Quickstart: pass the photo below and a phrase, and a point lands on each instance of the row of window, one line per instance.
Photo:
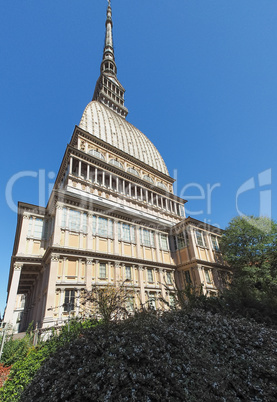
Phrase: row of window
(182, 240)
(104, 227)
(70, 298)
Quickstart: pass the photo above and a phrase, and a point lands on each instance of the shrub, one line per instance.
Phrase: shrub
(176, 356)
(24, 369)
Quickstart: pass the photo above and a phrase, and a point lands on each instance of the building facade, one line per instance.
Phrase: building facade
(112, 216)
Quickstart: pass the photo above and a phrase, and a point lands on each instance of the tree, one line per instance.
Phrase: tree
(249, 247)
(109, 302)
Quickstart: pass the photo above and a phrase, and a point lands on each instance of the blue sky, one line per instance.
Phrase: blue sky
(201, 83)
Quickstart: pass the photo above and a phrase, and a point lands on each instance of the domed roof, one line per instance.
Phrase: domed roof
(110, 127)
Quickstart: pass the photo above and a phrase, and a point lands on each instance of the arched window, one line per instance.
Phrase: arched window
(96, 153)
(148, 178)
(116, 163)
(161, 185)
(133, 171)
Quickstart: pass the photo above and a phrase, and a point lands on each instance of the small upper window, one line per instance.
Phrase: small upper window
(133, 171)
(214, 243)
(96, 153)
(161, 185)
(116, 163)
(148, 178)
(200, 238)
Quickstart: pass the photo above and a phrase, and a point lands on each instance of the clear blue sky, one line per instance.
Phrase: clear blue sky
(200, 79)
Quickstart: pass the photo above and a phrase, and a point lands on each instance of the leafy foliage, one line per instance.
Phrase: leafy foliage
(24, 369)
(249, 245)
(175, 356)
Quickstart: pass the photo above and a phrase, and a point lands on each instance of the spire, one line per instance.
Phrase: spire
(108, 89)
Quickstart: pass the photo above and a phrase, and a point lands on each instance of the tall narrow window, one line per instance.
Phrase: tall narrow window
(163, 242)
(69, 300)
(102, 227)
(128, 272)
(168, 278)
(74, 220)
(38, 228)
(152, 301)
(85, 223)
(150, 275)
(200, 238)
(187, 277)
(147, 237)
(102, 271)
(208, 276)
(214, 243)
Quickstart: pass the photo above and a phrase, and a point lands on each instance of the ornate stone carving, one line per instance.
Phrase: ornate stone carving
(55, 257)
(18, 266)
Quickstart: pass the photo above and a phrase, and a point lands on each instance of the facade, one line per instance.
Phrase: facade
(112, 216)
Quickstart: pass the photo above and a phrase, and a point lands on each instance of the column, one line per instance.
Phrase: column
(116, 245)
(130, 189)
(80, 169)
(8, 318)
(166, 204)
(117, 184)
(136, 192)
(123, 186)
(70, 164)
(152, 198)
(57, 228)
(89, 234)
(88, 171)
(95, 175)
(24, 234)
(103, 178)
(51, 289)
(161, 280)
(141, 284)
(111, 181)
(89, 273)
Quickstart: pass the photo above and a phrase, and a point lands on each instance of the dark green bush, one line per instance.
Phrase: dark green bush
(177, 356)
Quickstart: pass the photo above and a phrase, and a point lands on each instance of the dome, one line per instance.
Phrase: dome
(110, 127)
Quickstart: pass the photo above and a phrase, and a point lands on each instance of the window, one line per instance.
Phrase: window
(152, 301)
(187, 277)
(200, 238)
(150, 275)
(208, 276)
(128, 273)
(130, 304)
(133, 171)
(102, 271)
(35, 227)
(214, 243)
(161, 185)
(116, 163)
(96, 153)
(168, 278)
(74, 220)
(147, 237)
(102, 227)
(163, 242)
(85, 223)
(172, 300)
(148, 178)
(180, 241)
(69, 300)
(126, 232)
